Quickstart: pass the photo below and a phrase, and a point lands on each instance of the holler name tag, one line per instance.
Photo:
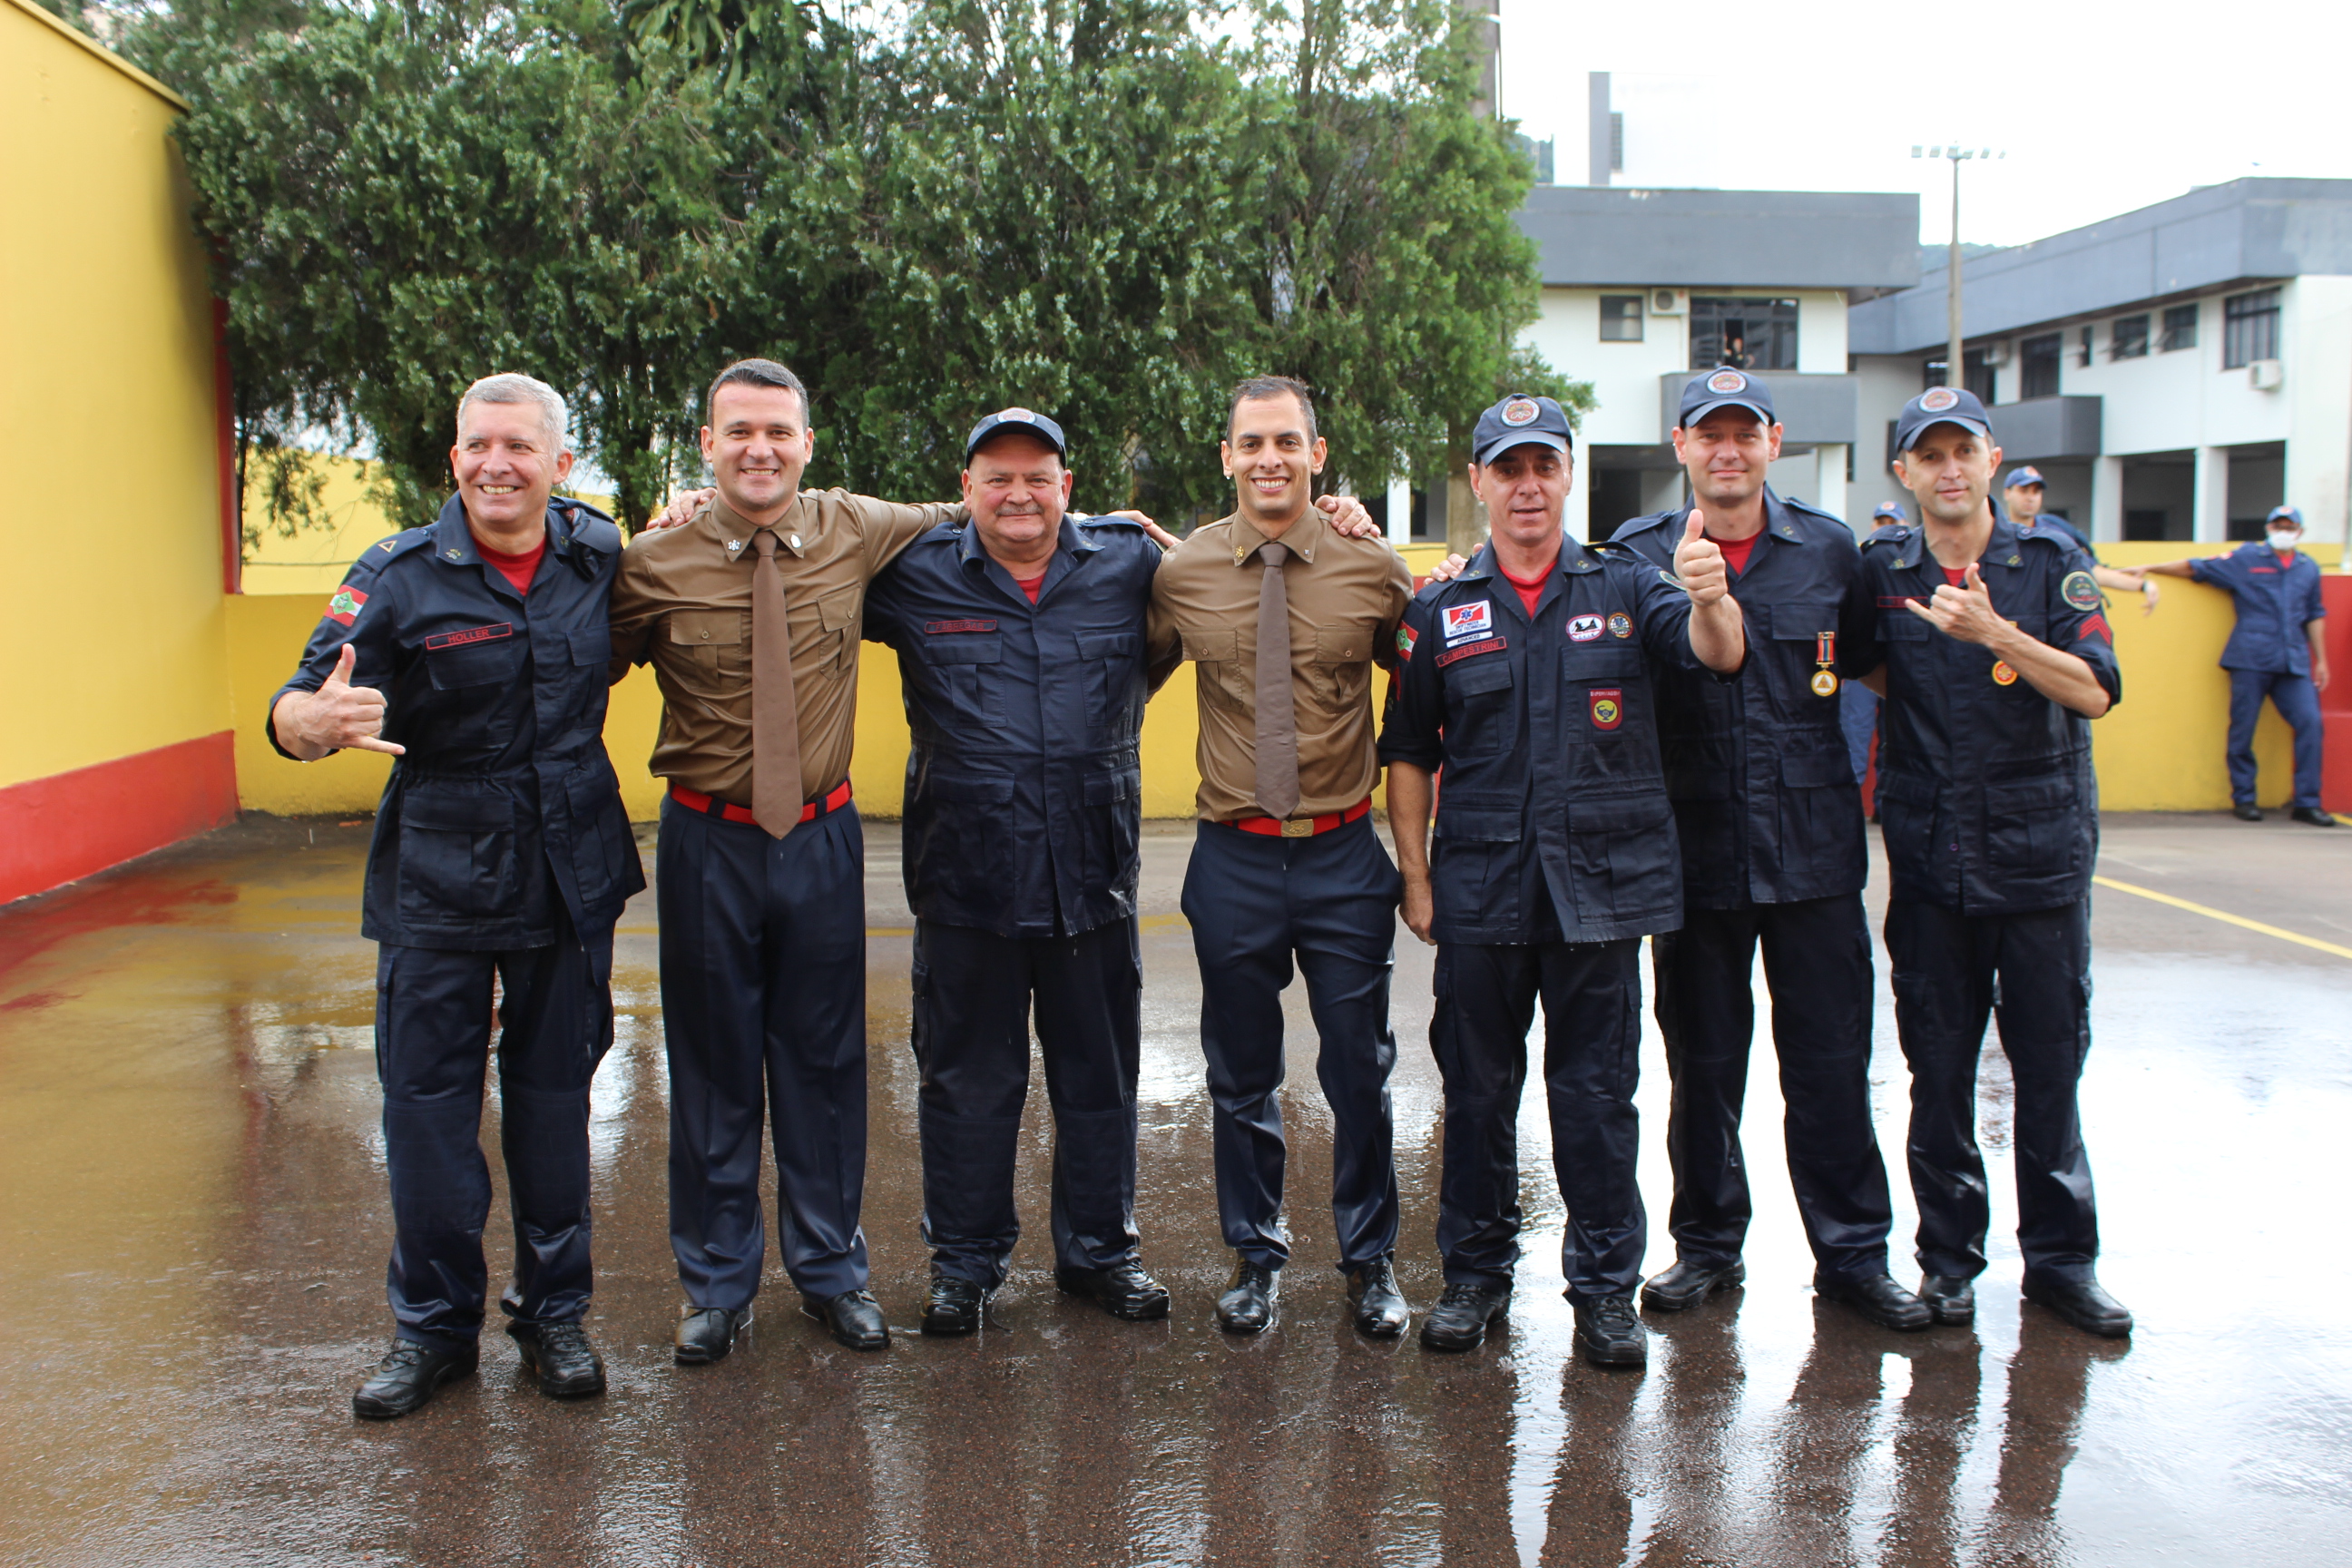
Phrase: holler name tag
(471, 635)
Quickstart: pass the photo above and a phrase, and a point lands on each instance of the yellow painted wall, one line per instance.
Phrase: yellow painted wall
(112, 594)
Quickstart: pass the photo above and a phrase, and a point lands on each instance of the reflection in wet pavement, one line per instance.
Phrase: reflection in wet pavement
(193, 1253)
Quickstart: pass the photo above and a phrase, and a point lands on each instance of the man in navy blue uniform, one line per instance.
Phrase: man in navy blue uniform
(1773, 856)
(1020, 643)
(1997, 655)
(2273, 652)
(474, 651)
(1531, 679)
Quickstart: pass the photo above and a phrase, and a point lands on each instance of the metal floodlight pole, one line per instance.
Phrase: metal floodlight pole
(1955, 367)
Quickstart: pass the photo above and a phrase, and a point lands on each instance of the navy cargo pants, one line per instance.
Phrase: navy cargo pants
(1817, 961)
(2297, 700)
(973, 993)
(1951, 969)
(1254, 902)
(1591, 995)
(433, 1024)
(764, 1002)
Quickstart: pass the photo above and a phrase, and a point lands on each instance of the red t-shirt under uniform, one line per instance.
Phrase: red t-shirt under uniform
(517, 570)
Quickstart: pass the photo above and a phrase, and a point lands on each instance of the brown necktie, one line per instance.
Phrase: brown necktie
(1277, 721)
(775, 717)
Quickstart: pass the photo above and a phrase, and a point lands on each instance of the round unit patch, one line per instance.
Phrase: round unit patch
(1521, 411)
(1017, 415)
(1727, 381)
(1936, 399)
(1621, 624)
(2080, 589)
(2003, 675)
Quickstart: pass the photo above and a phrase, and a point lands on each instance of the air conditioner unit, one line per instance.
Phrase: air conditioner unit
(1997, 353)
(2266, 375)
(1669, 302)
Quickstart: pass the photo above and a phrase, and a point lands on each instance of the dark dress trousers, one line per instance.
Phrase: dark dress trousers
(1553, 855)
(501, 853)
(1773, 856)
(1989, 811)
(1021, 852)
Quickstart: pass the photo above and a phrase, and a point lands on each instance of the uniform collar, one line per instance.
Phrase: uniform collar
(2002, 547)
(453, 536)
(727, 529)
(970, 551)
(1300, 538)
(1779, 521)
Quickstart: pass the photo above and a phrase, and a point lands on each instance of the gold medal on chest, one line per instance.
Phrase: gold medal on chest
(1825, 683)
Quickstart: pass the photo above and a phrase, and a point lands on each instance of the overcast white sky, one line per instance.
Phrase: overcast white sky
(2101, 107)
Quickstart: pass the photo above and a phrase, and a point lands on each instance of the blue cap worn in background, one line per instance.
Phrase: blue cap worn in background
(2292, 513)
(1941, 405)
(2028, 474)
(1890, 509)
(1021, 419)
(1725, 388)
(1519, 420)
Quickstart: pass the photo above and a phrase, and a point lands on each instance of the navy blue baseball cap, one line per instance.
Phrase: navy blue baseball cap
(2293, 514)
(1026, 421)
(1519, 420)
(1725, 388)
(1941, 405)
(1892, 511)
(2028, 474)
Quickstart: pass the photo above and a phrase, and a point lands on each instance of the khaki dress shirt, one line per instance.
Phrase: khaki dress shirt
(683, 602)
(1346, 596)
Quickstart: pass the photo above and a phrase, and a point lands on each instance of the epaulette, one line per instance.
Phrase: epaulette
(1893, 533)
(1641, 524)
(383, 551)
(2057, 542)
(1107, 520)
(591, 528)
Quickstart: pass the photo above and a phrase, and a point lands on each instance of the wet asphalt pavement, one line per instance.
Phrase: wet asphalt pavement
(192, 1259)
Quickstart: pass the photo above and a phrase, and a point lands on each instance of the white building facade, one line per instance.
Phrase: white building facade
(2175, 372)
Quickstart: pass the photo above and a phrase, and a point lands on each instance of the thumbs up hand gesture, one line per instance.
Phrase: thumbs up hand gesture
(1965, 612)
(336, 716)
(1699, 564)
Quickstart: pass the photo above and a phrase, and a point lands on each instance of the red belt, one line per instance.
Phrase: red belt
(1302, 826)
(695, 801)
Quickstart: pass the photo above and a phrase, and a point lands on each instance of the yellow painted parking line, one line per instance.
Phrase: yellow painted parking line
(2225, 917)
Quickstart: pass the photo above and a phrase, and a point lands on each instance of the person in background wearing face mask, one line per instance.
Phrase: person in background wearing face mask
(1773, 859)
(1997, 655)
(2275, 651)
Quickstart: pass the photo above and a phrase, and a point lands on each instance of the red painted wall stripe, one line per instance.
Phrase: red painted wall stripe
(57, 829)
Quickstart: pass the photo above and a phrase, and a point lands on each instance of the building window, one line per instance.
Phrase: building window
(1621, 318)
(1976, 369)
(2249, 327)
(2038, 365)
(2179, 328)
(2128, 338)
(2083, 351)
(1750, 335)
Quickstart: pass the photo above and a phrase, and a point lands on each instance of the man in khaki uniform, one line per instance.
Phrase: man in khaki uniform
(761, 878)
(1283, 616)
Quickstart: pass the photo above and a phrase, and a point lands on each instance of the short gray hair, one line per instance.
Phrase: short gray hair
(511, 387)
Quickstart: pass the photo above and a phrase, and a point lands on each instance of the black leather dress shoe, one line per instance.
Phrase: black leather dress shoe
(1126, 1291)
(1380, 1310)
(854, 1316)
(566, 1364)
(1878, 1298)
(1610, 1333)
(1464, 1314)
(1951, 1299)
(954, 1308)
(2313, 816)
(1685, 1285)
(1251, 1302)
(405, 1378)
(705, 1334)
(2247, 813)
(2082, 1303)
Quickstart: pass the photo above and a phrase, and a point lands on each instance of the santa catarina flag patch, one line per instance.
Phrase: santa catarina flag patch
(346, 604)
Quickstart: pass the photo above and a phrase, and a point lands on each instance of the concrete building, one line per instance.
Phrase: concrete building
(1641, 288)
(2175, 372)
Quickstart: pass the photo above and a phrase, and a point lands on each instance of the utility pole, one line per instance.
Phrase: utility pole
(1955, 366)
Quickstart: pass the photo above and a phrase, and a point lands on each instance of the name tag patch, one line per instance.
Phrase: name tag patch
(1583, 628)
(1607, 706)
(944, 629)
(471, 635)
(1468, 620)
(1490, 644)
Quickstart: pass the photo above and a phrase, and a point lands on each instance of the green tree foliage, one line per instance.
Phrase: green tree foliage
(1106, 209)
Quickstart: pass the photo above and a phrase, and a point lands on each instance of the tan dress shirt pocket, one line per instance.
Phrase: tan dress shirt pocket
(838, 614)
(722, 639)
(1218, 652)
(1341, 669)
